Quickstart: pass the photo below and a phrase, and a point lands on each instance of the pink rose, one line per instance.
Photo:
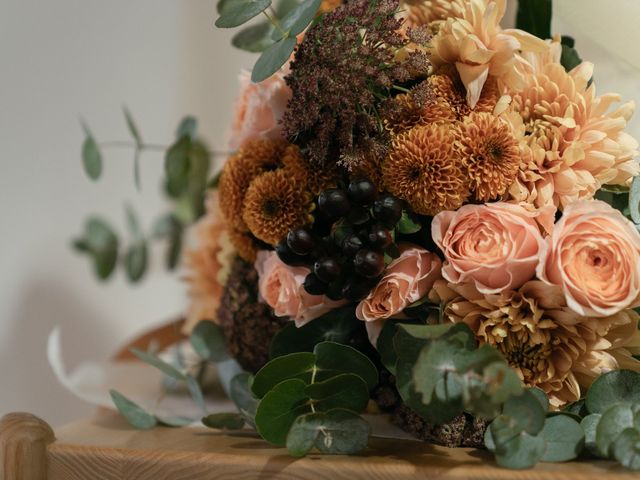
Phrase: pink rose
(496, 246)
(594, 255)
(259, 109)
(280, 286)
(407, 279)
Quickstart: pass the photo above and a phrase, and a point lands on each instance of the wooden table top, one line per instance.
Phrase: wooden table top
(106, 448)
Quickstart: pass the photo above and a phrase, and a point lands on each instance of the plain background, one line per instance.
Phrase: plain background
(61, 59)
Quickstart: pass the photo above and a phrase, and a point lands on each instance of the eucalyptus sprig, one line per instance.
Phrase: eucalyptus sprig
(274, 39)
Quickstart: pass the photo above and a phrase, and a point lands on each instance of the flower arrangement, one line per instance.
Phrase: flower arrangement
(422, 214)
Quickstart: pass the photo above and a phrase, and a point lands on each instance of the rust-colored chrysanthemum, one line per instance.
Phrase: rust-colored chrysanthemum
(316, 178)
(447, 86)
(274, 204)
(245, 244)
(423, 169)
(253, 158)
(490, 154)
(405, 113)
(329, 5)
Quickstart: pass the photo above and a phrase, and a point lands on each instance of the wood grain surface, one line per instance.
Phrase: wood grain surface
(23, 447)
(106, 448)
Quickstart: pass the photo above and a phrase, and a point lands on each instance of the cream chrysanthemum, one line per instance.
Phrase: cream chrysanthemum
(490, 154)
(208, 266)
(419, 13)
(576, 141)
(423, 169)
(549, 345)
(475, 43)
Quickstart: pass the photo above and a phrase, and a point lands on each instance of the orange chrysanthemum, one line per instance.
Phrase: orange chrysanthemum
(405, 113)
(329, 5)
(490, 154)
(253, 158)
(423, 169)
(447, 85)
(317, 179)
(274, 204)
(245, 244)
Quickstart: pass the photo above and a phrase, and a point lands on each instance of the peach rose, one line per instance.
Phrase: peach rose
(280, 286)
(407, 279)
(259, 109)
(496, 246)
(594, 255)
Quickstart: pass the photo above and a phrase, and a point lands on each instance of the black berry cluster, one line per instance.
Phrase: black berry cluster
(346, 246)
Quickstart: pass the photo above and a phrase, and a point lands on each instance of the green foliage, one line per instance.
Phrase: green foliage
(618, 386)
(534, 16)
(160, 364)
(335, 326)
(564, 438)
(91, 155)
(408, 225)
(174, 421)
(235, 13)
(242, 397)
(272, 59)
(136, 254)
(337, 431)
(254, 39)
(133, 413)
(569, 57)
(101, 244)
(224, 421)
(313, 391)
(626, 449)
(135, 133)
(295, 21)
(207, 340)
(634, 201)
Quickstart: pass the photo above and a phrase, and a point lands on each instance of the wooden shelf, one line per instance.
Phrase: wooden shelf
(105, 448)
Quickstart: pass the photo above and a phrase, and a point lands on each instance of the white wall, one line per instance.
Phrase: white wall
(164, 59)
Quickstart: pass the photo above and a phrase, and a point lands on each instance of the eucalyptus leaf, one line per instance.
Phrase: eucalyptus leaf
(133, 129)
(91, 158)
(526, 412)
(578, 408)
(279, 409)
(626, 449)
(177, 166)
(434, 363)
(521, 452)
(634, 200)
(133, 413)
(541, 397)
(589, 425)
(338, 431)
(239, 12)
(334, 358)
(158, 363)
(613, 422)
(294, 365)
(569, 58)
(224, 421)
(298, 19)
(207, 340)
(136, 261)
(101, 243)
(564, 439)
(342, 391)
(240, 394)
(272, 59)
(384, 345)
(255, 39)
(187, 128)
(611, 388)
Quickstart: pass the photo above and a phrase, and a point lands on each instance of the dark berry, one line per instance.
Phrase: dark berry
(379, 237)
(322, 224)
(388, 209)
(368, 263)
(356, 289)
(362, 191)
(314, 286)
(300, 241)
(287, 256)
(358, 215)
(334, 202)
(327, 269)
(351, 244)
(334, 292)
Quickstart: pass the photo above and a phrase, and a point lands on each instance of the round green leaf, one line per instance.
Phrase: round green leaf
(526, 412)
(102, 243)
(224, 421)
(177, 166)
(522, 451)
(298, 19)
(255, 39)
(564, 438)
(634, 200)
(295, 365)
(207, 339)
(240, 12)
(158, 363)
(342, 391)
(589, 425)
(272, 59)
(279, 409)
(626, 449)
(541, 397)
(578, 408)
(334, 358)
(303, 433)
(613, 421)
(133, 413)
(617, 386)
(136, 261)
(434, 363)
(91, 158)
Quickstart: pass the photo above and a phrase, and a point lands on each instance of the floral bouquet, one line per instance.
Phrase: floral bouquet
(423, 214)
